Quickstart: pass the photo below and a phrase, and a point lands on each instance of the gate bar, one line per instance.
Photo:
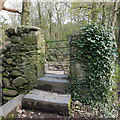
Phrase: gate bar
(57, 41)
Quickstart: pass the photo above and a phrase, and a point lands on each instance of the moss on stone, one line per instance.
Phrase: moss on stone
(6, 82)
(9, 69)
(15, 39)
(6, 74)
(19, 81)
(15, 73)
(24, 57)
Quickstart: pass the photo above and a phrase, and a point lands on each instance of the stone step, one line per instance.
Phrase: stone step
(55, 72)
(57, 76)
(53, 84)
(47, 101)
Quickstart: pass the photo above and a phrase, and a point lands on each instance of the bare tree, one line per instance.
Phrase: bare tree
(39, 13)
(25, 18)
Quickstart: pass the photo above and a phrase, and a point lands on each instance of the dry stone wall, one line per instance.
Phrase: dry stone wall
(22, 60)
(76, 66)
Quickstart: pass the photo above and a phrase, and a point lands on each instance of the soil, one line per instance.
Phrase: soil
(23, 113)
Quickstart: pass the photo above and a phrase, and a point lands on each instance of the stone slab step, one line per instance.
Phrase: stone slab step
(57, 76)
(55, 72)
(47, 101)
(53, 84)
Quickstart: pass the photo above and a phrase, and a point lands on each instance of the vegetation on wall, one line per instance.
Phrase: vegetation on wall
(95, 46)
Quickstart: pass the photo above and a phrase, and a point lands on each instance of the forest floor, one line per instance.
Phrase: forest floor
(23, 113)
(78, 112)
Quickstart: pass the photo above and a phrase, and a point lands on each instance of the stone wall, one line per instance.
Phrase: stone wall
(76, 66)
(22, 59)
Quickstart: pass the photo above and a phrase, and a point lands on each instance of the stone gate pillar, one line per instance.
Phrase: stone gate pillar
(23, 59)
(76, 66)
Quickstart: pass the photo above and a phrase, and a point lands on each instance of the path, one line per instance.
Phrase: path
(50, 95)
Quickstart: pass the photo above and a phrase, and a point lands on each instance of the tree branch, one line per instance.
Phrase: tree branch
(2, 7)
(116, 10)
(11, 10)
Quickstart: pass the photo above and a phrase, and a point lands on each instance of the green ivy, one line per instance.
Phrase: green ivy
(94, 45)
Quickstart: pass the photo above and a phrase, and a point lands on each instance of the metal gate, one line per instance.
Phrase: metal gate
(57, 55)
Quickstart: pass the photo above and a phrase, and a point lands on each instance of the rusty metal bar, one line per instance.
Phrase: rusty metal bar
(60, 61)
(57, 41)
(48, 55)
(58, 47)
(58, 65)
(59, 54)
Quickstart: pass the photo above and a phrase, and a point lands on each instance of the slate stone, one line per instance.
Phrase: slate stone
(8, 55)
(15, 73)
(9, 61)
(9, 69)
(3, 68)
(19, 81)
(47, 101)
(57, 76)
(6, 74)
(4, 50)
(58, 85)
(10, 93)
(6, 82)
(15, 39)
(4, 58)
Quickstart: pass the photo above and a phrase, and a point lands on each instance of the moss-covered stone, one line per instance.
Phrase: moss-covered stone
(7, 98)
(30, 73)
(19, 81)
(15, 39)
(21, 54)
(10, 93)
(3, 51)
(9, 61)
(20, 30)
(16, 68)
(28, 39)
(6, 74)
(6, 82)
(9, 69)
(24, 58)
(13, 63)
(8, 55)
(3, 69)
(15, 73)
(3, 58)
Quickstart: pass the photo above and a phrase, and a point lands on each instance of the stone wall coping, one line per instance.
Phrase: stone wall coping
(11, 106)
(18, 30)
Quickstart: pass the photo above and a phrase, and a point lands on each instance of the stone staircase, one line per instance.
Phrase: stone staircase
(50, 95)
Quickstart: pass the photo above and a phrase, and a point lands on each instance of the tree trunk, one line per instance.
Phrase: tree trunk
(103, 14)
(50, 26)
(25, 18)
(114, 16)
(39, 13)
(94, 12)
(59, 24)
(49, 6)
(50, 22)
